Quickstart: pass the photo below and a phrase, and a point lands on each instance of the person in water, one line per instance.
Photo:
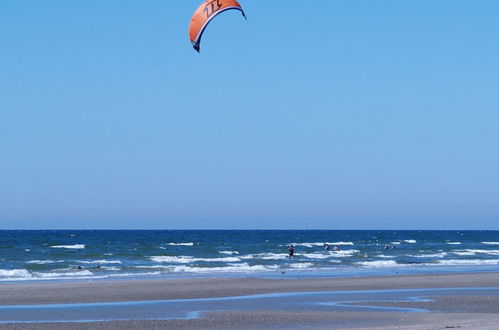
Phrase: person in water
(327, 247)
(336, 248)
(291, 250)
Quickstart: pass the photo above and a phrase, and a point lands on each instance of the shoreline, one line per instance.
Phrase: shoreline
(211, 287)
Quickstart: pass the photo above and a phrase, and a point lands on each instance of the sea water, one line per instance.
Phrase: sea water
(106, 254)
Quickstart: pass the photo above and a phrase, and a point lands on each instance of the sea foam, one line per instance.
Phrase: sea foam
(75, 246)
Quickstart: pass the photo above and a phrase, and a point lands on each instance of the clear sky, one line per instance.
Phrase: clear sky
(310, 114)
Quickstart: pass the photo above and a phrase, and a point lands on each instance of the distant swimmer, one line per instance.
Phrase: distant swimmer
(79, 267)
(291, 250)
(327, 246)
(336, 248)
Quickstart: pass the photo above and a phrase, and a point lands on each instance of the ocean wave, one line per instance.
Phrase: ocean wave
(14, 273)
(316, 255)
(301, 265)
(378, 263)
(189, 259)
(241, 268)
(99, 261)
(454, 243)
(344, 253)
(472, 252)
(75, 246)
(410, 241)
(491, 243)
(57, 275)
(181, 244)
(228, 252)
(111, 269)
(321, 244)
(44, 262)
(471, 262)
(265, 256)
(431, 255)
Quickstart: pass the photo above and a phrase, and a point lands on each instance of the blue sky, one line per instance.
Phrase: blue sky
(328, 114)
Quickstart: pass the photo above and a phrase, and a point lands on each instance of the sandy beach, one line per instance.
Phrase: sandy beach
(458, 308)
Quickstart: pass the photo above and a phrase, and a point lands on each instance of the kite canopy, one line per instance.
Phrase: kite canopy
(205, 13)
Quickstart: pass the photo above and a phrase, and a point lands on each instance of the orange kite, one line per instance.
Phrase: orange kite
(205, 13)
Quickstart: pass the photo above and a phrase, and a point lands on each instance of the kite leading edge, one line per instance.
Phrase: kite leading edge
(205, 13)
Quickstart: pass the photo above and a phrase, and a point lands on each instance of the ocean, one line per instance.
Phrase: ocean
(55, 255)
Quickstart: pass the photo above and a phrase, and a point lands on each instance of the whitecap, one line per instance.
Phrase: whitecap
(43, 262)
(301, 265)
(321, 244)
(431, 255)
(172, 259)
(55, 275)
(343, 253)
(265, 256)
(472, 252)
(228, 252)
(474, 262)
(14, 273)
(410, 241)
(491, 243)
(316, 255)
(75, 246)
(378, 263)
(181, 244)
(241, 268)
(189, 259)
(454, 243)
(99, 261)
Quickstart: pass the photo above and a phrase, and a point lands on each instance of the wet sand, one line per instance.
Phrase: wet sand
(455, 311)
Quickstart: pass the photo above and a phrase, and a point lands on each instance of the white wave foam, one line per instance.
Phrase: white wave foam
(472, 252)
(181, 244)
(454, 243)
(174, 259)
(395, 243)
(108, 268)
(14, 273)
(410, 241)
(56, 275)
(321, 244)
(44, 262)
(463, 253)
(75, 246)
(241, 268)
(474, 262)
(189, 259)
(491, 243)
(99, 261)
(265, 256)
(344, 253)
(434, 255)
(385, 257)
(228, 252)
(316, 255)
(378, 263)
(301, 265)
